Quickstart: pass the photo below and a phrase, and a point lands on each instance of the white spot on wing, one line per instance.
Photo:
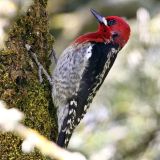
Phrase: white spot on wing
(69, 121)
(73, 102)
(68, 131)
(85, 107)
(78, 119)
(66, 140)
(74, 112)
(89, 52)
(64, 130)
(71, 111)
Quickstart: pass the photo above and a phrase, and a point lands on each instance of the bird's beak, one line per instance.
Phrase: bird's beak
(100, 18)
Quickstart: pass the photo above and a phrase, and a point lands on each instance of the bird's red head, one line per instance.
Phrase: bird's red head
(111, 28)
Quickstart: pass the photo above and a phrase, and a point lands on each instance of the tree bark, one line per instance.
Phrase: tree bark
(19, 84)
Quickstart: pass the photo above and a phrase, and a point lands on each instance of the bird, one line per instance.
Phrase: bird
(81, 69)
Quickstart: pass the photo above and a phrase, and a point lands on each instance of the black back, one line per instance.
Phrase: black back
(91, 77)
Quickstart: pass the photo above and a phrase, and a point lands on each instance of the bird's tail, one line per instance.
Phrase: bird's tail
(68, 125)
(61, 140)
(64, 135)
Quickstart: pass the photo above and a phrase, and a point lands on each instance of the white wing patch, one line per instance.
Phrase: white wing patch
(89, 52)
(73, 102)
(71, 111)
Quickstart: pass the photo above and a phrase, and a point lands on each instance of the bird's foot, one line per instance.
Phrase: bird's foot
(41, 69)
(52, 55)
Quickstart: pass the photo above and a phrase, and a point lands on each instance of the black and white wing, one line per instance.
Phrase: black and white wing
(100, 61)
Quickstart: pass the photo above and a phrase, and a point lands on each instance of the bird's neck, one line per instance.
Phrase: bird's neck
(98, 36)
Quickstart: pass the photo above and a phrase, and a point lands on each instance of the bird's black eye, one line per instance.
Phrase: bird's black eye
(111, 22)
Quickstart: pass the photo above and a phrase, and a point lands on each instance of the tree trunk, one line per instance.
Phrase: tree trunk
(19, 84)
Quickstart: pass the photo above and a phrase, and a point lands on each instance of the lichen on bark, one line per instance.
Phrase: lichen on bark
(19, 84)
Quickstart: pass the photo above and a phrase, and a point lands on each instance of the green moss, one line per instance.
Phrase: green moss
(19, 85)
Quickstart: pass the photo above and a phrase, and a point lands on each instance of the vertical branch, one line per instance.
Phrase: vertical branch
(19, 84)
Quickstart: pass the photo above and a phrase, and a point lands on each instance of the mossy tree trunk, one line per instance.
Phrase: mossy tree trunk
(19, 84)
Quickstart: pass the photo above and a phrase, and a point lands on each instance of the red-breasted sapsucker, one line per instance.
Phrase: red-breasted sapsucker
(81, 70)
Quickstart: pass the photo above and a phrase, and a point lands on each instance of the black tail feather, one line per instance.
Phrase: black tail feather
(61, 139)
(68, 125)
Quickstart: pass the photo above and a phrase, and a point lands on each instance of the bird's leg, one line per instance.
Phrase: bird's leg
(52, 55)
(41, 69)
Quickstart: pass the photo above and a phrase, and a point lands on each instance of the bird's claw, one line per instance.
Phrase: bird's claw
(41, 69)
(52, 55)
